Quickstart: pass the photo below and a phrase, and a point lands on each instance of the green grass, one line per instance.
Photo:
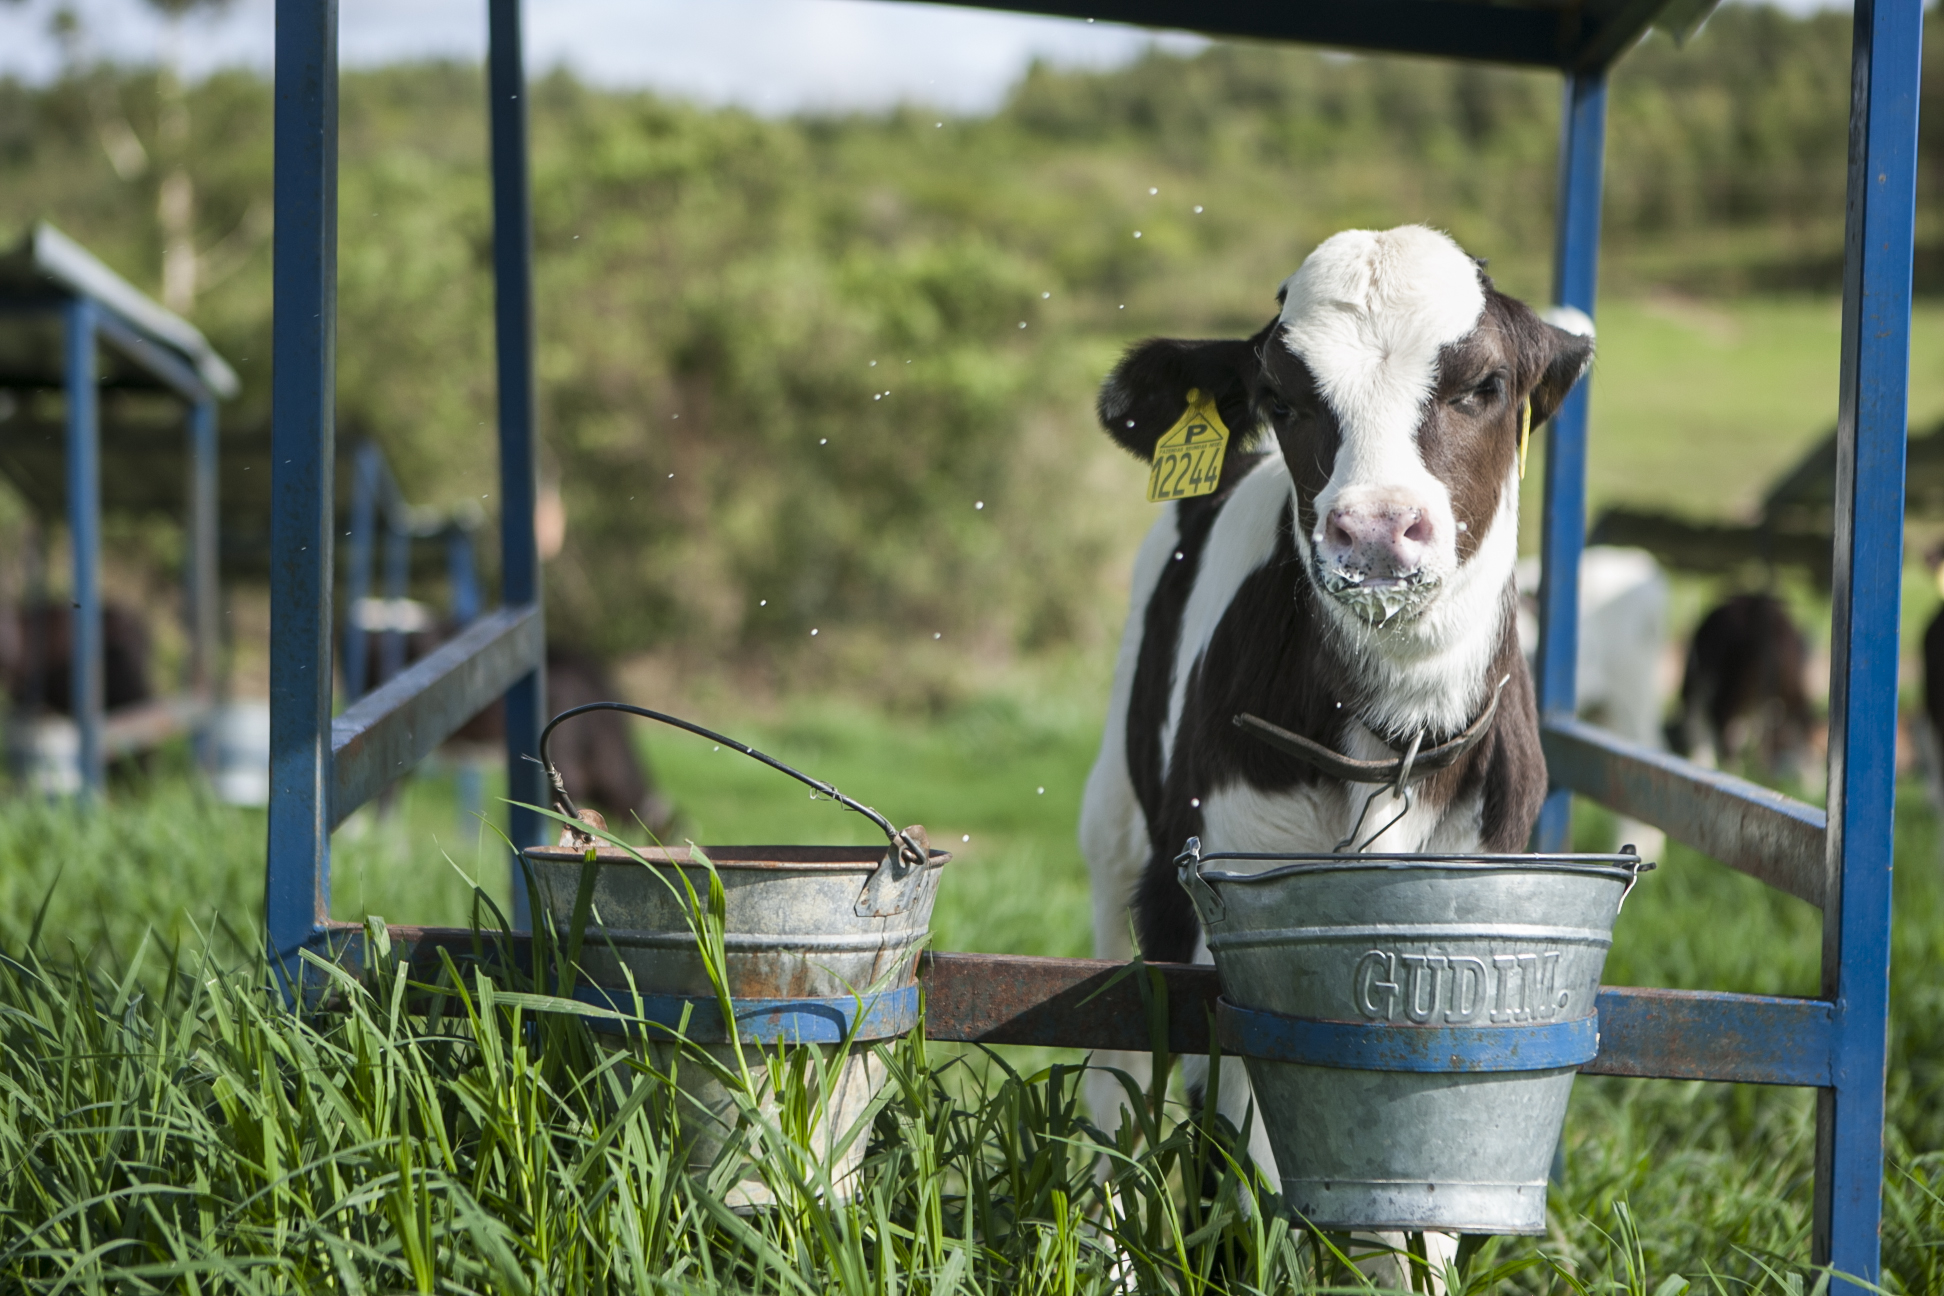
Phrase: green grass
(309, 1145)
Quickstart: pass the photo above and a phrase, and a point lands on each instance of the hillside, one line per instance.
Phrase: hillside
(783, 363)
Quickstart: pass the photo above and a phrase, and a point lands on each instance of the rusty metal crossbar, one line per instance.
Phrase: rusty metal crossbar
(393, 727)
(1093, 1005)
(1762, 833)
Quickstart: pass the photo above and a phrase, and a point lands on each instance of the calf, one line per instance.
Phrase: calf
(1743, 687)
(1350, 580)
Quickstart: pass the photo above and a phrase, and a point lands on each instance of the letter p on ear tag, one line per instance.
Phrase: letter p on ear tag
(1188, 460)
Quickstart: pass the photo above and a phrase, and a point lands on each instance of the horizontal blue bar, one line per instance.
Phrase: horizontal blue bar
(1382, 1046)
(883, 1015)
(1707, 1035)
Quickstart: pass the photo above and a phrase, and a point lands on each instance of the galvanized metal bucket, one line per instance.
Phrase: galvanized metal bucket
(820, 948)
(1411, 1024)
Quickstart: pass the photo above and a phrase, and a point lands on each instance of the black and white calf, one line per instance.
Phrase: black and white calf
(1350, 580)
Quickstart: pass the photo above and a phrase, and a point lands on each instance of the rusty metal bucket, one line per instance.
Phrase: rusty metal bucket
(1411, 1024)
(819, 951)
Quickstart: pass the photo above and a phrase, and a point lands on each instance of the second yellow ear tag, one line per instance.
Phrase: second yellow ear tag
(1188, 460)
(1525, 435)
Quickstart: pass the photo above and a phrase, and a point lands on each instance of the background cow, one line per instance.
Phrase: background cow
(1743, 688)
(1622, 634)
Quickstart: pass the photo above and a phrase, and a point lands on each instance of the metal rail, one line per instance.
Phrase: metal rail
(1094, 1005)
(396, 725)
(1771, 837)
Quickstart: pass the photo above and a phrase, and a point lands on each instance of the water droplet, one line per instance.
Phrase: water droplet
(1042, 791)
(1177, 555)
(1152, 191)
(823, 440)
(1123, 305)
(813, 633)
(880, 395)
(762, 602)
(1195, 802)
(966, 838)
(941, 125)
(1022, 323)
(873, 364)
(671, 476)
(1045, 295)
(1197, 209)
(979, 505)
(1130, 422)
(717, 747)
(1464, 526)
(1339, 706)
(1137, 233)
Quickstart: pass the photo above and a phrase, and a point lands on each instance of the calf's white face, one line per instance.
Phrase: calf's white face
(1368, 316)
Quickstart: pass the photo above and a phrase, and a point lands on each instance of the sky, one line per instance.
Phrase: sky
(773, 56)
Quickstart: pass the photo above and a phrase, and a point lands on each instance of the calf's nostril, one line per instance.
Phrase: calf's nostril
(1336, 534)
(1419, 532)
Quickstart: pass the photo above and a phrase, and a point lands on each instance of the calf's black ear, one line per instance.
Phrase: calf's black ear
(1564, 355)
(1148, 390)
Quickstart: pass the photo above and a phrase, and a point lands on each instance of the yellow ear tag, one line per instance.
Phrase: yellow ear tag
(1188, 460)
(1525, 435)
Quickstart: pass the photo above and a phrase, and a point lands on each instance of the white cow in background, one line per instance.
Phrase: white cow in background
(1622, 638)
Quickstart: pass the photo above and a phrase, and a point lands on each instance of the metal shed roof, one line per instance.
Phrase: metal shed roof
(148, 346)
(1567, 35)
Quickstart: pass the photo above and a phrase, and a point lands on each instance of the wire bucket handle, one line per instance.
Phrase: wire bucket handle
(912, 853)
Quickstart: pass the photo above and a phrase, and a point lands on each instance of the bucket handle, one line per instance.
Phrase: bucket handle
(1188, 866)
(912, 853)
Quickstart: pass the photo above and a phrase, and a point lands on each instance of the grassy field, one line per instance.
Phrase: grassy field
(1664, 1178)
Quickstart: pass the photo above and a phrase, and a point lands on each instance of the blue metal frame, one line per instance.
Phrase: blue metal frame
(85, 324)
(303, 413)
(84, 533)
(526, 701)
(1855, 891)
(1836, 1043)
(321, 769)
(1871, 431)
(1576, 266)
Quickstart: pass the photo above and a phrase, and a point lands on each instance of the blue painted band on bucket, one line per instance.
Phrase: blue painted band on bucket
(1382, 1046)
(872, 1016)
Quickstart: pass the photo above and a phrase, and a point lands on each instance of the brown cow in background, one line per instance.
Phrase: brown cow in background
(1743, 688)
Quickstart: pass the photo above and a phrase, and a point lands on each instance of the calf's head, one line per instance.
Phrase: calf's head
(1396, 380)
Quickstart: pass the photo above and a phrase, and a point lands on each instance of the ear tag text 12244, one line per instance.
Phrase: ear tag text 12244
(1188, 460)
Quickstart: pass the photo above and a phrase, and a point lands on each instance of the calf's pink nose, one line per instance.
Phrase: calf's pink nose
(1377, 539)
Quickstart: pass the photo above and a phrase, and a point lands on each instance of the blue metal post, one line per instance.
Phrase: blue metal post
(513, 321)
(463, 575)
(205, 615)
(303, 411)
(84, 535)
(1576, 270)
(398, 579)
(1886, 55)
(366, 469)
